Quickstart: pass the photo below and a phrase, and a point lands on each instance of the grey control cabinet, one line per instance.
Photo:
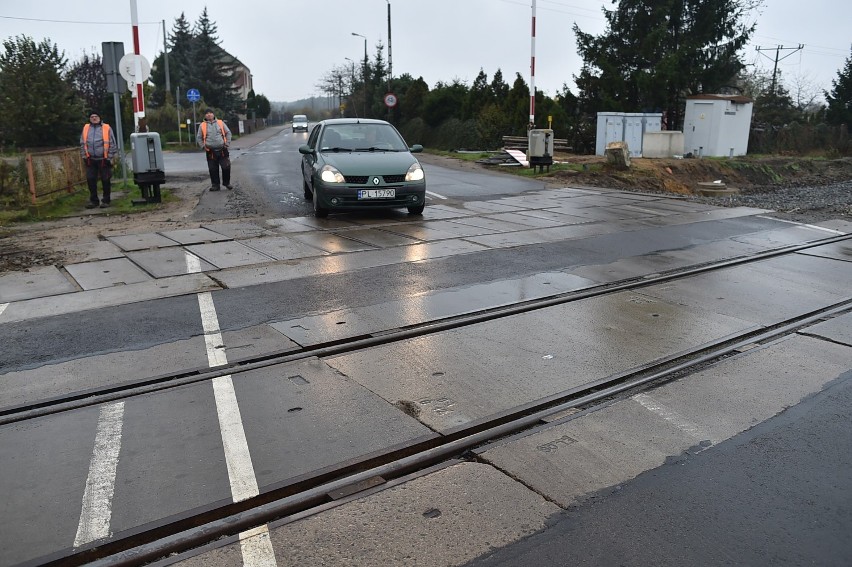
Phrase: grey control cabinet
(146, 157)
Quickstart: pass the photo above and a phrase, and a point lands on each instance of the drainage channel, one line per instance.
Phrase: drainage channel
(193, 530)
(97, 396)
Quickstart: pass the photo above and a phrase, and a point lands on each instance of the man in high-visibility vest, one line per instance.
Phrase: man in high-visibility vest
(215, 137)
(97, 148)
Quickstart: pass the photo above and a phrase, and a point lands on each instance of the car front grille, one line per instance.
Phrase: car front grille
(364, 179)
(356, 179)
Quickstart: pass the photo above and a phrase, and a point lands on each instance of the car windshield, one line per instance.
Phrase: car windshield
(362, 138)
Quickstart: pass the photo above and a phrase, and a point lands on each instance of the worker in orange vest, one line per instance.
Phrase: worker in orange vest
(215, 137)
(97, 148)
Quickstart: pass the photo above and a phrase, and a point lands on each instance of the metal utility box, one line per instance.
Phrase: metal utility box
(627, 127)
(717, 125)
(146, 157)
(540, 148)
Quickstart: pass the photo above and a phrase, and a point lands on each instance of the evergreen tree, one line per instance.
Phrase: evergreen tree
(214, 72)
(840, 98)
(38, 107)
(180, 65)
(654, 54)
(499, 87)
(479, 96)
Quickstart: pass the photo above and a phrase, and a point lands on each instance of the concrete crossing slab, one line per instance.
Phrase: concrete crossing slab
(228, 254)
(421, 519)
(490, 207)
(133, 242)
(784, 286)
(299, 406)
(106, 273)
(35, 282)
(194, 236)
(331, 242)
(289, 225)
(106, 297)
(377, 238)
(165, 262)
(346, 323)
(559, 348)
(237, 230)
(283, 247)
(838, 251)
(248, 276)
(838, 329)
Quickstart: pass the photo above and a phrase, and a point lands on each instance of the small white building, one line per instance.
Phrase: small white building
(717, 125)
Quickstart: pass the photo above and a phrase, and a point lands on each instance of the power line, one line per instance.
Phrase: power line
(72, 21)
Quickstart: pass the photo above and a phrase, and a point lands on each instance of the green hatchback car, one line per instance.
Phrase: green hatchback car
(353, 163)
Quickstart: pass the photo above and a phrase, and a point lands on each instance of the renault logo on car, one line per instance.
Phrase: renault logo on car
(375, 181)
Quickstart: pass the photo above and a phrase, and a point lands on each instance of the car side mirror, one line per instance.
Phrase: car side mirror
(307, 150)
(416, 149)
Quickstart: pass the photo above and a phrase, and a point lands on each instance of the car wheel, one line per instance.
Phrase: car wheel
(307, 189)
(319, 211)
(418, 210)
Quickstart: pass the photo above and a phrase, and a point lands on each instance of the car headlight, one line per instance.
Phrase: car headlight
(330, 174)
(415, 173)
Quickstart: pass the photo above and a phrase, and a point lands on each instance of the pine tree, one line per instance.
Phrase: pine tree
(840, 98)
(215, 71)
(38, 107)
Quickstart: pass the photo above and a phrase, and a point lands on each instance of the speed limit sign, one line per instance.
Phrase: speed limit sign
(390, 100)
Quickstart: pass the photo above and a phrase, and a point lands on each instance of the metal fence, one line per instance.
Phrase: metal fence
(39, 177)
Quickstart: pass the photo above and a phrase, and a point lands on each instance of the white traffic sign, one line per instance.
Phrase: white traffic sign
(128, 69)
(390, 100)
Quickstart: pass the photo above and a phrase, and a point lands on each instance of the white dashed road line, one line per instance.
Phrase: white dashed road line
(193, 263)
(255, 544)
(669, 415)
(96, 512)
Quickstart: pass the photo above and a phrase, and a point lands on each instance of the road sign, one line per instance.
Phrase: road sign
(127, 69)
(192, 95)
(390, 100)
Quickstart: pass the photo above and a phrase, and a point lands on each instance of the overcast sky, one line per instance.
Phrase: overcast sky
(289, 45)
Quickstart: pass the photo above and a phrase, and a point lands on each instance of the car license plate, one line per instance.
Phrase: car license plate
(376, 193)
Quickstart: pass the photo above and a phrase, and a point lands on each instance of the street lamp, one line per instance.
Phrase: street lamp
(364, 75)
(390, 57)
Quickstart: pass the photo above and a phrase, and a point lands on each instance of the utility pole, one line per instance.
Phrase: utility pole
(166, 57)
(778, 49)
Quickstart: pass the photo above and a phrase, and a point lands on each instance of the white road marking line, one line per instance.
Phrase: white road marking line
(255, 544)
(435, 195)
(3, 307)
(96, 513)
(237, 456)
(193, 263)
(813, 226)
(669, 415)
(212, 336)
(256, 547)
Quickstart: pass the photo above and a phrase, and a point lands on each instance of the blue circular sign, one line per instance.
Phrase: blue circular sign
(193, 95)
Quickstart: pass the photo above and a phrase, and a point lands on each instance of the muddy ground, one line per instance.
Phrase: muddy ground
(58, 242)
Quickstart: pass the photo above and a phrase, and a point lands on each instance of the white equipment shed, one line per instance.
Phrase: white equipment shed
(717, 125)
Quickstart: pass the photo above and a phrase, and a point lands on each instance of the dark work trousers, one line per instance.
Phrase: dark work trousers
(215, 160)
(99, 168)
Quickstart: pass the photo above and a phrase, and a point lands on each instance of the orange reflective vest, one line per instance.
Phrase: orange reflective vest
(204, 131)
(104, 132)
